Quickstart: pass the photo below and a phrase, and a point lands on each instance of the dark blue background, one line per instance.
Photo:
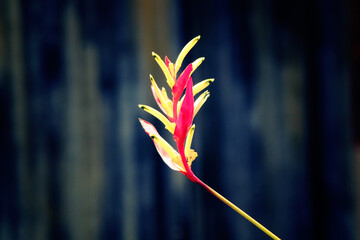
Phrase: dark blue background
(279, 135)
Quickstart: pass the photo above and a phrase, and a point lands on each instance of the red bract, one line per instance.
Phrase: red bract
(183, 125)
(179, 87)
(186, 114)
(167, 61)
(170, 67)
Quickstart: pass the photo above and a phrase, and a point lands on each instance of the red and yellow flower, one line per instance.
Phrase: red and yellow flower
(178, 112)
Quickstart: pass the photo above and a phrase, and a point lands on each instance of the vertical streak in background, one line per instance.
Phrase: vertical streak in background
(19, 113)
(231, 152)
(71, 161)
(146, 40)
(93, 143)
(154, 22)
(82, 162)
(130, 202)
(267, 118)
(125, 71)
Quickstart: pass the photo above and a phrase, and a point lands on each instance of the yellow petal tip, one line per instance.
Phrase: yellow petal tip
(154, 55)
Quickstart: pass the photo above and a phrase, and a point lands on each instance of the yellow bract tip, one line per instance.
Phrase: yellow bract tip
(184, 52)
(202, 85)
(165, 70)
(196, 63)
(200, 101)
(188, 140)
(168, 125)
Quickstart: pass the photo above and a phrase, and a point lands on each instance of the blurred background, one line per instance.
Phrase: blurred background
(279, 136)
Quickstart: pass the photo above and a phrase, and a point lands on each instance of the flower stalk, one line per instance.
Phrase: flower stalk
(238, 210)
(179, 112)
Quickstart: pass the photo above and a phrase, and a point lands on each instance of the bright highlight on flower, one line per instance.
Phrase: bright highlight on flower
(178, 115)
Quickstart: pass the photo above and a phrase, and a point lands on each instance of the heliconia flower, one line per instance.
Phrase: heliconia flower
(180, 111)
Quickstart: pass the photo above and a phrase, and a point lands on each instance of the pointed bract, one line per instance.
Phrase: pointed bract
(165, 69)
(196, 63)
(188, 140)
(196, 89)
(184, 52)
(168, 125)
(200, 101)
(159, 98)
(202, 85)
(180, 84)
(170, 67)
(168, 154)
(186, 114)
(179, 87)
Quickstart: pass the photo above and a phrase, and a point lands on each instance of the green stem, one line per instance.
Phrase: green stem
(238, 210)
(193, 178)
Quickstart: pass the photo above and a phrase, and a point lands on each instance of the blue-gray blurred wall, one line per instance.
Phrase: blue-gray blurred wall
(279, 135)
